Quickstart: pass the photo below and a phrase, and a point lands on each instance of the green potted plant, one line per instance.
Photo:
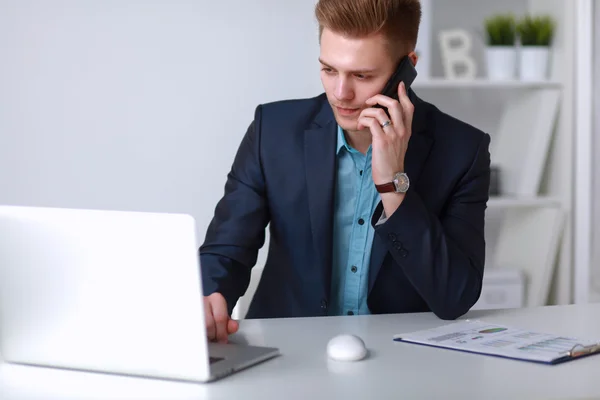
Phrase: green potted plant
(500, 51)
(536, 34)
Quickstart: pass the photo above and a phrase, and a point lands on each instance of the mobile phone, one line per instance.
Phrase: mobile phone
(405, 72)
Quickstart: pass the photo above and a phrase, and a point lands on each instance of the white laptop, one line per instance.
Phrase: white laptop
(108, 291)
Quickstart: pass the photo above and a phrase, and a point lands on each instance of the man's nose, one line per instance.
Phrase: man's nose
(344, 90)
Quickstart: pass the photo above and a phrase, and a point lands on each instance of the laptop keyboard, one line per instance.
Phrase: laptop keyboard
(213, 360)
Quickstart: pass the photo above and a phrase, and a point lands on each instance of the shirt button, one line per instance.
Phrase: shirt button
(354, 269)
(350, 313)
(361, 221)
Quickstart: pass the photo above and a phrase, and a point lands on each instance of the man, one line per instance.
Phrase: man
(344, 238)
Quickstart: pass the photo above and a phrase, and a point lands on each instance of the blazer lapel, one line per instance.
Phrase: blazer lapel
(418, 150)
(320, 163)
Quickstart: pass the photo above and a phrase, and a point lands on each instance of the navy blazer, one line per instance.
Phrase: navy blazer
(428, 256)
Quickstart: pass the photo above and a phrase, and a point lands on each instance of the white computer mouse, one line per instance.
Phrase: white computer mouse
(346, 347)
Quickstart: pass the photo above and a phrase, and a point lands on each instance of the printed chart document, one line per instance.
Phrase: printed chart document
(477, 336)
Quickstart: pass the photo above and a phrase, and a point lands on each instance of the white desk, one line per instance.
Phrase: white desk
(394, 370)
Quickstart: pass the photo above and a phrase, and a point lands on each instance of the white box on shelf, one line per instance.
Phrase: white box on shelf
(502, 288)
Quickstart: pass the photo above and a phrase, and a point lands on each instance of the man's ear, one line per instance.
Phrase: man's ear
(414, 58)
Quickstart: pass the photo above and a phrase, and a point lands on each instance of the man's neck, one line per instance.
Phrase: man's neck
(359, 140)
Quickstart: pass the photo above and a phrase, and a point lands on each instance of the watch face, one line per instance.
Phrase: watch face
(402, 183)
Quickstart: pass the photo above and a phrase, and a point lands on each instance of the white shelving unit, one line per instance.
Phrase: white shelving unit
(535, 224)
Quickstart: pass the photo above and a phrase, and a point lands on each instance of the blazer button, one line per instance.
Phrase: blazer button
(392, 237)
(398, 245)
(323, 304)
(403, 253)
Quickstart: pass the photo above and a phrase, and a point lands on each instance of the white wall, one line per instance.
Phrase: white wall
(141, 105)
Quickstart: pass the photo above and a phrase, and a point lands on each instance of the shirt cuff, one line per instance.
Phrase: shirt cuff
(382, 219)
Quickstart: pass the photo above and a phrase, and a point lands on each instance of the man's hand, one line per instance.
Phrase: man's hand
(218, 323)
(390, 140)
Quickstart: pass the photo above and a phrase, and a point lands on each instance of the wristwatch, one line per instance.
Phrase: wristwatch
(399, 184)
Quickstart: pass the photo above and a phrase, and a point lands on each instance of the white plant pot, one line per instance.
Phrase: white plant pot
(501, 62)
(533, 63)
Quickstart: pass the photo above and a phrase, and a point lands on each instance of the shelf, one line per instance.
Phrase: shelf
(523, 202)
(442, 83)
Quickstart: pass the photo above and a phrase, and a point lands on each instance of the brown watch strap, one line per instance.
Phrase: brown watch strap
(386, 187)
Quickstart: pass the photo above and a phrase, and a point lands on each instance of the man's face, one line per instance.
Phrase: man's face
(353, 70)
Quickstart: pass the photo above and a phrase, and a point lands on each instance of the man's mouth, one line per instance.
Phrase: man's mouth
(346, 111)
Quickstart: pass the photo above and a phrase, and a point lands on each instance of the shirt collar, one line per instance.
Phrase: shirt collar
(341, 141)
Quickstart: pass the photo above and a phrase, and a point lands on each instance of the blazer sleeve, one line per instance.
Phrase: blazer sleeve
(444, 257)
(237, 230)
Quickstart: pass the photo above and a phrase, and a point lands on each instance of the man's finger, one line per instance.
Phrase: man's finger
(232, 326)
(408, 107)
(381, 116)
(210, 320)
(382, 100)
(219, 307)
(372, 124)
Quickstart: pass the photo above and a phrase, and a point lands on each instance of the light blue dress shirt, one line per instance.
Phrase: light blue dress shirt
(355, 201)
